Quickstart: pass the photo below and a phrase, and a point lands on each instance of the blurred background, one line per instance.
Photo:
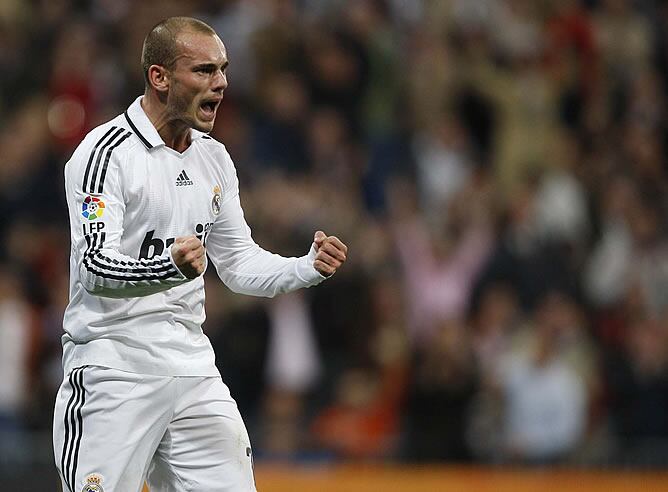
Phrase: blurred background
(497, 167)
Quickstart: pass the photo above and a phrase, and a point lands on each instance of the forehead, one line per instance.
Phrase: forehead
(198, 47)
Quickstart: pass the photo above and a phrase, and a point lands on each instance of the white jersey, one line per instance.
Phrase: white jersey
(129, 197)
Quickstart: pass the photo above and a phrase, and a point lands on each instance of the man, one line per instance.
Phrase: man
(150, 196)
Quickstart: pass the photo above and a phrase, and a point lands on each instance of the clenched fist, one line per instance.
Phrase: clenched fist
(189, 256)
(331, 253)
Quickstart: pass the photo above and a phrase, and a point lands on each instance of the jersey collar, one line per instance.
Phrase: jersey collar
(144, 129)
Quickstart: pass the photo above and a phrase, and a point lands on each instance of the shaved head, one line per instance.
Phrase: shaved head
(160, 46)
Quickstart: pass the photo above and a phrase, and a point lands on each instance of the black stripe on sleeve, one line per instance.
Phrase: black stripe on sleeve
(159, 264)
(134, 128)
(102, 270)
(130, 271)
(91, 240)
(99, 159)
(92, 154)
(140, 263)
(91, 260)
(92, 246)
(106, 162)
(126, 277)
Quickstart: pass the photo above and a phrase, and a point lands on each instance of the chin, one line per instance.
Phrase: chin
(204, 126)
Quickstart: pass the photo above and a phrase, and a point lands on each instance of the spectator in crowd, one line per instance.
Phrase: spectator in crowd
(18, 337)
(637, 380)
(545, 413)
(544, 384)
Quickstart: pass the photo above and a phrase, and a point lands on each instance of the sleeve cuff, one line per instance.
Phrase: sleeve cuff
(306, 271)
(179, 274)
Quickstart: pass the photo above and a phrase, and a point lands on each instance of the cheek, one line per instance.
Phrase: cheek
(183, 98)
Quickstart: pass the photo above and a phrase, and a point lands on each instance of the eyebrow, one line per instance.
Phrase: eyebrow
(210, 66)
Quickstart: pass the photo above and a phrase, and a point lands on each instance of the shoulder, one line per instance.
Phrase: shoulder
(220, 159)
(110, 137)
(103, 146)
(210, 143)
(216, 149)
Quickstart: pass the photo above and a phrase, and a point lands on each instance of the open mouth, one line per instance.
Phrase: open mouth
(209, 108)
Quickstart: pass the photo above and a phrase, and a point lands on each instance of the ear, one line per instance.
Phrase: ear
(158, 77)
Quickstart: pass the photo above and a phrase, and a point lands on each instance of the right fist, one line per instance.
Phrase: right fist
(189, 256)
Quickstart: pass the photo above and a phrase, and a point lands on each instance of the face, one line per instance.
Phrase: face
(197, 80)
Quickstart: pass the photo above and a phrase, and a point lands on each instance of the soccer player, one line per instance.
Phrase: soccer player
(151, 196)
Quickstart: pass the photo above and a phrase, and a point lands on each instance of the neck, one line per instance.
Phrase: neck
(174, 133)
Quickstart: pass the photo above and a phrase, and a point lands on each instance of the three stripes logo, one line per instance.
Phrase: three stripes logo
(73, 428)
(96, 169)
(183, 179)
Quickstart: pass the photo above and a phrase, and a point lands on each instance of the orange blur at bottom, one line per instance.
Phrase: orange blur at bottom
(445, 479)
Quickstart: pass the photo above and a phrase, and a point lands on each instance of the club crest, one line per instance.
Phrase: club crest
(93, 483)
(216, 201)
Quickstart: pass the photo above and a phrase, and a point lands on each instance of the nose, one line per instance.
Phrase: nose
(219, 81)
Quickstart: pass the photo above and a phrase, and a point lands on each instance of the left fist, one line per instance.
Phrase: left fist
(330, 253)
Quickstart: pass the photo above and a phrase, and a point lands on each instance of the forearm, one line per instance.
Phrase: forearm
(245, 267)
(107, 273)
(260, 273)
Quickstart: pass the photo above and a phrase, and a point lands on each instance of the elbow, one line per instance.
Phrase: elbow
(249, 288)
(103, 291)
(98, 290)
(92, 289)
(240, 289)
(89, 284)
(270, 294)
(93, 285)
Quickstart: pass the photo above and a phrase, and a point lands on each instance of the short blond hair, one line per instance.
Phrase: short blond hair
(160, 45)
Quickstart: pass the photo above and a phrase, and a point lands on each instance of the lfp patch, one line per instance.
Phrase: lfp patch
(92, 208)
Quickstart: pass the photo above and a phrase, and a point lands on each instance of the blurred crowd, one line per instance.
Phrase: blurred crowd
(497, 167)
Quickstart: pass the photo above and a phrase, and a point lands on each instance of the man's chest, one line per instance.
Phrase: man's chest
(167, 197)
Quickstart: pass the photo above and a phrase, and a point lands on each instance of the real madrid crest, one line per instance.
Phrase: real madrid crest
(93, 483)
(215, 202)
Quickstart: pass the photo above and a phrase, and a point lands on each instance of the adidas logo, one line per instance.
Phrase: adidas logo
(183, 180)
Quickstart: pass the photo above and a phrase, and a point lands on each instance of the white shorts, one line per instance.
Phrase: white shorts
(112, 430)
